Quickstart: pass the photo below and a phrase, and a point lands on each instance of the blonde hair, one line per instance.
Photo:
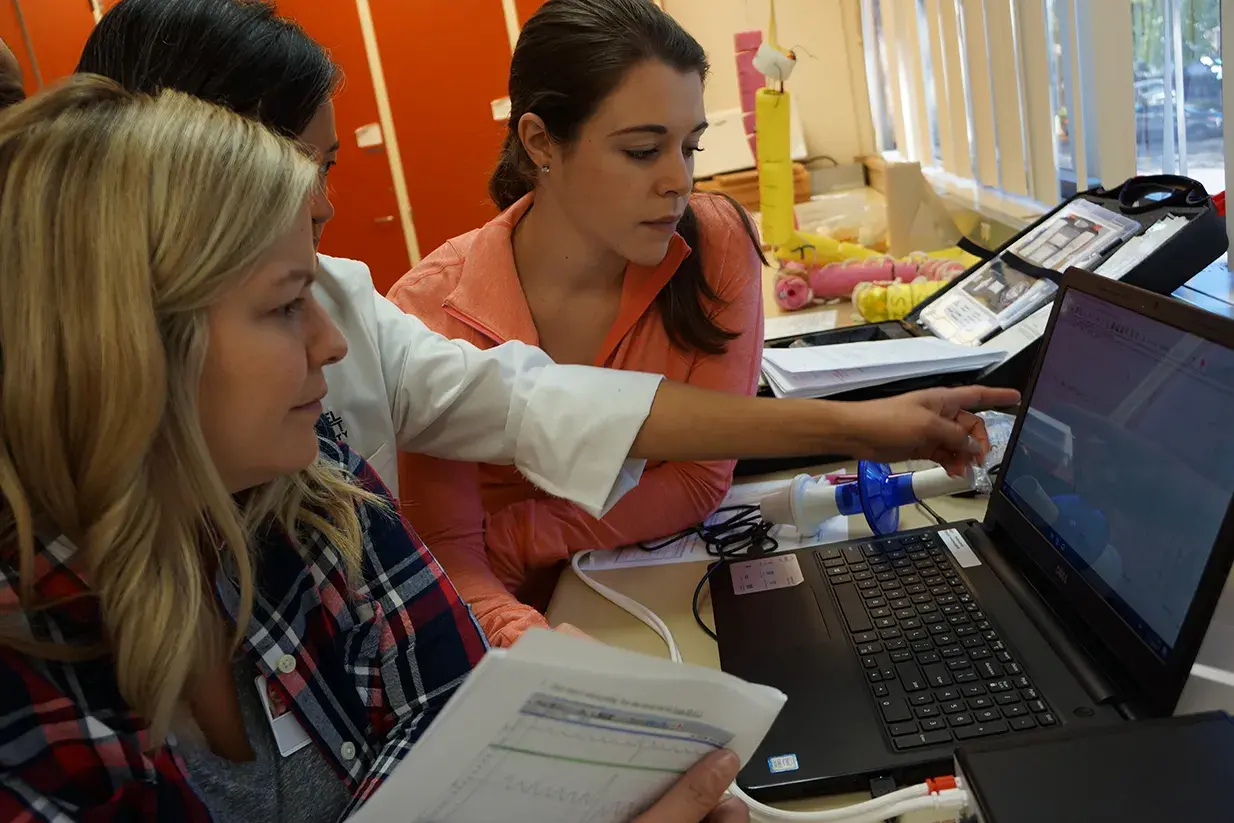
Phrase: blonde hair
(122, 219)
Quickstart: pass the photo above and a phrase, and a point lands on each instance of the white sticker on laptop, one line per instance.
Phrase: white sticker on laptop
(779, 571)
(960, 550)
(783, 763)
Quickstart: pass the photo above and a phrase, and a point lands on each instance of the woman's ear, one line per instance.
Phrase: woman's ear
(536, 140)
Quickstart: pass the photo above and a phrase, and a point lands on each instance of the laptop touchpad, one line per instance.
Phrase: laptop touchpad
(778, 619)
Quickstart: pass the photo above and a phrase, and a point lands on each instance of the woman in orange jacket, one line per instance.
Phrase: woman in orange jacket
(601, 256)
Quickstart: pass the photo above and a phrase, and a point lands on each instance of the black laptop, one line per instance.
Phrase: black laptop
(1082, 598)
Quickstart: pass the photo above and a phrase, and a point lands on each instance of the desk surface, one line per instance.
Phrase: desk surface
(666, 590)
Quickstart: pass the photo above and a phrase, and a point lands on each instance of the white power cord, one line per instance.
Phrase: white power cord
(921, 797)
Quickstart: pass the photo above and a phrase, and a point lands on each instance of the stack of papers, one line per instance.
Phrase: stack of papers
(821, 371)
(567, 730)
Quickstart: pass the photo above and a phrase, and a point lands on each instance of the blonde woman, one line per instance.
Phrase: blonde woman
(207, 612)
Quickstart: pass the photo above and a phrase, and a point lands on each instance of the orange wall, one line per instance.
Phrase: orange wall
(361, 187)
(526, 8)
(58, 29)
(445, 62)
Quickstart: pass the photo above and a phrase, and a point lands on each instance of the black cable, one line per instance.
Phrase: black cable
(742, 533)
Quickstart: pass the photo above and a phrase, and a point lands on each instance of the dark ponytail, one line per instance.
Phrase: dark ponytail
(571, 55)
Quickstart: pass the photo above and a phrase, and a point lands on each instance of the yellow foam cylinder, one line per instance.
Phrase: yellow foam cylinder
(819, 249)
(775, 165)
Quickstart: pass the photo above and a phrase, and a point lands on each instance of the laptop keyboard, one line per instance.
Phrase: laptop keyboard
(937, 668)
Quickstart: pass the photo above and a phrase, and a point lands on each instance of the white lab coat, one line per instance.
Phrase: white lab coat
(402, 387)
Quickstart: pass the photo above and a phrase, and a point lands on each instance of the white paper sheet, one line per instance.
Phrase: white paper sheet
(559, 729)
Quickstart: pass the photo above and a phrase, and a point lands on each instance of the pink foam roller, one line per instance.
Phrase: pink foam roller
(792, 292)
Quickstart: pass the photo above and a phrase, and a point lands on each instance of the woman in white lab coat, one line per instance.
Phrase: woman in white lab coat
(572, 430)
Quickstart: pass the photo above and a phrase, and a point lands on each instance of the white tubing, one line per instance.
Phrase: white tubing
(806, 504)
(937, 483)
(629, 605)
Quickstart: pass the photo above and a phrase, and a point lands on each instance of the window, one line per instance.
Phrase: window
(1035, 99)
(1179, 119)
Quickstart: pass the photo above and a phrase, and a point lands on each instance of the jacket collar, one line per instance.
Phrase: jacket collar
(489, 296)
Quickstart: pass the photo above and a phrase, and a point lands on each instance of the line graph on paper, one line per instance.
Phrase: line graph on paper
(567, 761)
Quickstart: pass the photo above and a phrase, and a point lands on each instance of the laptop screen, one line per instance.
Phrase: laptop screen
(1125, 460)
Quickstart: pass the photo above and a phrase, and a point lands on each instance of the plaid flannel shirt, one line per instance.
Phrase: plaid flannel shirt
(365, 673)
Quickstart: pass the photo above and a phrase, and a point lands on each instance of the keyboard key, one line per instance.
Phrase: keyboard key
(926, 711)
(868, 584)
(869, 648)
(952, 651)
(1036, 706)
(1018, 710)
(910, 623)
(1003, 657)
(966, 631)
(834, 563)
(880, 612)
(946, 695)
(896, 593)
(902, 563)
(981, 702)
(979, 654)
(929, 657)
(873, 676)
(958, 664)
(950, 611)
(870, 594)
(1023, 724)
(896, 554)
(986, 715)
(901, 657)
(888, 673)
(973, 690)
(937, 628)
(884, 577)
(850, 606)
(998, 686)
(945, 639)
(894, 710)
(842, 578)
(922, 646)
(881, 568)
(937, 675)
(981, 730)
(904, 615)
(869, 550)
(866, 636)
(1047, 719)
(932, 724)
(917, 741)
(1013, 668)
(901, 603)
(970, 642)
(956, 720)
(946, 600)
(898, 729)
(957, 620)
(852, 554)
(911, 677)
(896, 645)
(890, 634)
(890, 623)
(1008, 698)
(859, 567)
(921, 699)
(916, 589)
(984, 626)
(989, 668)
(881, 690)
(1021, 682)
(861, 574)
(954, 707)
(869, 662)
(966, 677)
(939, 590)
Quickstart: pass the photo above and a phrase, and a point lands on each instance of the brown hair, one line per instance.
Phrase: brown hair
(571, 55)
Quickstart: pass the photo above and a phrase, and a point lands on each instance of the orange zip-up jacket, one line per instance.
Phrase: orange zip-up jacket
(488, 526)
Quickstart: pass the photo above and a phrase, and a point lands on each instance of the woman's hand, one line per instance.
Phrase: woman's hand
(696, 796)
(932, 424)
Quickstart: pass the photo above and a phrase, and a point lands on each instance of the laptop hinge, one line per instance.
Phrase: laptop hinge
(1099, 688)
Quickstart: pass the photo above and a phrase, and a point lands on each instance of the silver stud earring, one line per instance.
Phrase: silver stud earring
(545, 169)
